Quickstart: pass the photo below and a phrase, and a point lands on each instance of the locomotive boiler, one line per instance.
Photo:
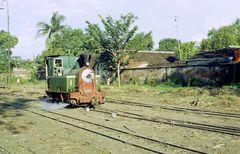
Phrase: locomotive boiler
(69, 79)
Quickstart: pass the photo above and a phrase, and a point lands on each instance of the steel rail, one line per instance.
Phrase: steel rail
(125, 132)
(86, 129)
(174, 122)
(176, 108)
(229, 128)
(1, 147)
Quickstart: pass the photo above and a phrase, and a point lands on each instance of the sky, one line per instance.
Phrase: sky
(194, 18)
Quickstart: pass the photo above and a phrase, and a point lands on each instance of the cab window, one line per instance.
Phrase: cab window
(58, 63)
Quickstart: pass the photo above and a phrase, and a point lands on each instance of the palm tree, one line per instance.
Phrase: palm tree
(54, 27)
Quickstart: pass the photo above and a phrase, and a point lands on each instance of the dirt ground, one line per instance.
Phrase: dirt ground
(24, 132)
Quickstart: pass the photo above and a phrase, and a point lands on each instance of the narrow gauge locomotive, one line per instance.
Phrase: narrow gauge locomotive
(69, 79)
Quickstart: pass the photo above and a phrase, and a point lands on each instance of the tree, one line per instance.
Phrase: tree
(3, 61)
(55, 26)
(205, 45)
(7, 42)
(236, 25)
(187, 50)
(113, 38)
(18, 62)
(142, 42)
(223, 37)
(70, 41)
(168, 44)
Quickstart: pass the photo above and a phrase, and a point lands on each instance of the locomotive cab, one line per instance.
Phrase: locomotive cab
(69, 79)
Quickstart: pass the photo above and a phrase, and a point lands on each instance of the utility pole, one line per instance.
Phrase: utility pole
(176, 26)
(9, 55)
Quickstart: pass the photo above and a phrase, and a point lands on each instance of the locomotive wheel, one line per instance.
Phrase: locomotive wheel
(94, 100)
(73, 102)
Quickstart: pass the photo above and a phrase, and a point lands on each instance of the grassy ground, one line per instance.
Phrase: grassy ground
(224, 98)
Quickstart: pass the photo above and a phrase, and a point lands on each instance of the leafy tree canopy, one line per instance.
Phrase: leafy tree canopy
(223, 37)
(7, 41)
(142, 42)
(54, 27)
(18, 62)
(70, 41)
(168, 44)
(115, 35)
(113, 38)
(187, 50)
(3, 61)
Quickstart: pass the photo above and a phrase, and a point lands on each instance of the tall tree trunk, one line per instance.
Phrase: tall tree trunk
(118, 73)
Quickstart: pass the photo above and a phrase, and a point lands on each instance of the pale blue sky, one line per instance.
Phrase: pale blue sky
(195, 17)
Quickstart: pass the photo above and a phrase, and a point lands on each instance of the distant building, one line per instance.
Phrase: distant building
(144, 59)
(21, 72)
(220, 56)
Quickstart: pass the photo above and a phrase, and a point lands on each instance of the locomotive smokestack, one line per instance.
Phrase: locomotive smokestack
(84, 60)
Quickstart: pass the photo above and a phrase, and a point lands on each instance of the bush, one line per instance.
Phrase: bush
(152, 82)
(22, 80)
(134, 81)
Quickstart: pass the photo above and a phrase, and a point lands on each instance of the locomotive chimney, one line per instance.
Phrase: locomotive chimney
(84, 60)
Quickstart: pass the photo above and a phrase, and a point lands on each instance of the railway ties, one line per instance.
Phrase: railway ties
(176, 108)
(234, 131)
(155, 142)
(230, 130)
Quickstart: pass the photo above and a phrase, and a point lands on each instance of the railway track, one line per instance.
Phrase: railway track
(229, 130)
(155, 141)
(176, 108)
(4, 150)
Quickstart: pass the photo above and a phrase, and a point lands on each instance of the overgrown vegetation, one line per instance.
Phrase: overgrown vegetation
(7, 42)
(169, 44)
(223, 37)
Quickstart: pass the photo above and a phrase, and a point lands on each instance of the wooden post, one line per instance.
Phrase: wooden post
(118, 72)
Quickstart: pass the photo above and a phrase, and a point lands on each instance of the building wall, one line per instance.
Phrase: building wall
(185, 75)
(20, 72)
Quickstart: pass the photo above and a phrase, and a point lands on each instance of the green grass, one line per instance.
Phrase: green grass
(222, 98)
